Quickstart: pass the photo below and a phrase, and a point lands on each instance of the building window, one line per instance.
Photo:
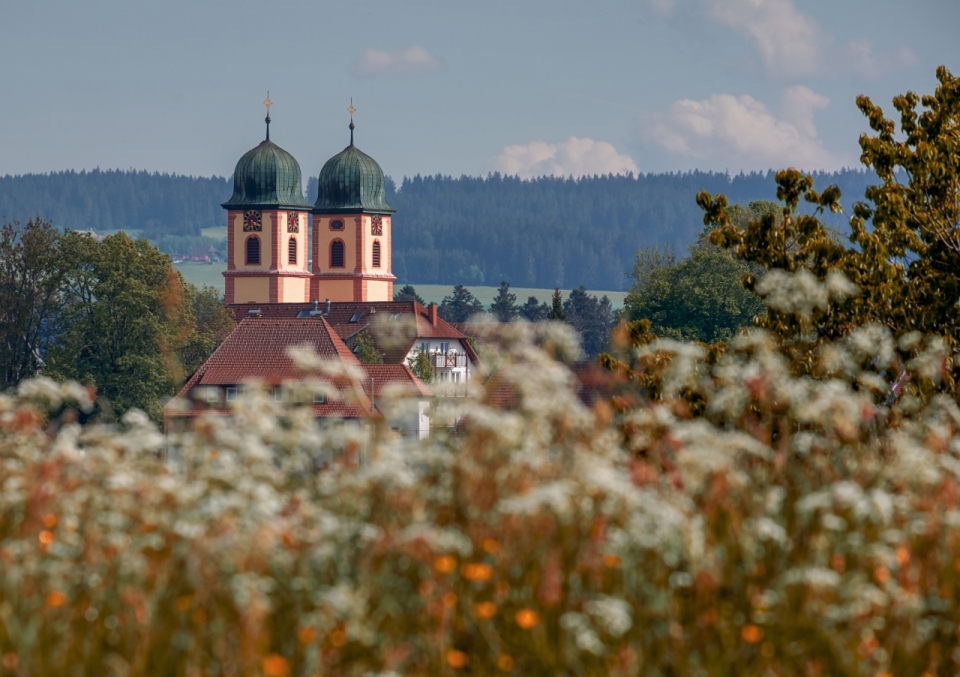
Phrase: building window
(444, 347)
(231, 393)
(319, 398)
(292, 258)
(336, 254)
(278, 394)
(213, 395)
(425, 347)
(253, 251)
(376, 253)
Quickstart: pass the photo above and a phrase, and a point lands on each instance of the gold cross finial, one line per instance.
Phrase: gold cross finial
(351, 109)
(268, 102)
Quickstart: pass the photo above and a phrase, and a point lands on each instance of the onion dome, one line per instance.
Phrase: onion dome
(351, 181)
(267, 177)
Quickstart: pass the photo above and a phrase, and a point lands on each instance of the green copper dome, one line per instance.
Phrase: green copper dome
(351, 181)
(267, 177)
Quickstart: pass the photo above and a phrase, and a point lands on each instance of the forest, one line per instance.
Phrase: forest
(547, 232)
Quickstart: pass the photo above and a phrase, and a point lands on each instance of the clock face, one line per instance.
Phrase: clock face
(293, 222)
(336, 225)
(252, 221)
(376, 225)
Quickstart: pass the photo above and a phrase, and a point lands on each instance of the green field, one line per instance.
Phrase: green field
(210, 274)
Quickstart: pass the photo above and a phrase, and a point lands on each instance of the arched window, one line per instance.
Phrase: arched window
(253, 251)
(336, 254)
(292, 257)
(376, 253)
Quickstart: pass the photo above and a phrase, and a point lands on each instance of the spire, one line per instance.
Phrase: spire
(351, 110)
(268, 103)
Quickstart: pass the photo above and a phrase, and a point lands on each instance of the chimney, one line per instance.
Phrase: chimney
(328, 306)
(432, 310)
(316, 305)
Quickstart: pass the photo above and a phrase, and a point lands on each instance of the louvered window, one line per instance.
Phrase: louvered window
(336, 254)
(376, 253)
(293, 250)
(253, 251)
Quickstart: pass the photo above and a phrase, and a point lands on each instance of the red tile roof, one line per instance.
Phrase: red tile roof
(257, 348)
(395, 347)
(392, 374)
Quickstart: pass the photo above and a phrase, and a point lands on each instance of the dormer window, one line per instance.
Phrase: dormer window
(355, 318)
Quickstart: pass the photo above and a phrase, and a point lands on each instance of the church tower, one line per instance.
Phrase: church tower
(352, 237)
(267, 228)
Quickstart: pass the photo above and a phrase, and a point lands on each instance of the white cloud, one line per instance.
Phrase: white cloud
(575, 157)
(789, 42)
(413, 60)
(743, 133)
(870, 65)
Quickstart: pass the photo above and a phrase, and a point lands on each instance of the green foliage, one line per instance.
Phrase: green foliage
(700, 298)
(534, 310)
(123, 321)
(592, 318)
(32, 268)
(504, 305)
(421, 365)
(213, 324)
(460, 306)
(906, 264)
(408, 293)
(556, 307)
(366, 350)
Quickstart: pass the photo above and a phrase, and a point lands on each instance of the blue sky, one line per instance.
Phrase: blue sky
(459, 87)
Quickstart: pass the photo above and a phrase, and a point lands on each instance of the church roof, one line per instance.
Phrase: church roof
(267, 177)
(351, 181)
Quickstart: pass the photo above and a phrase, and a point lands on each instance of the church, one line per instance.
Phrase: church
(319, 274)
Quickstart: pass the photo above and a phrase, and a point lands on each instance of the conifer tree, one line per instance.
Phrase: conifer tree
(534, 310)
(459, 306)
(408, 293)
(504, 306)
(556, 307)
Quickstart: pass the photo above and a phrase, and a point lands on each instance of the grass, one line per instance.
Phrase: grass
(211, 274)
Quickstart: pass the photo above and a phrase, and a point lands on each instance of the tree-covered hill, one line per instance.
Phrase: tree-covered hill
(541, 233)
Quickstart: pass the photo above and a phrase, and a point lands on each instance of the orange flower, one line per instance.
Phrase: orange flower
(11, 661)
(449, 600)
(477, 572)
(485, 610)
(56, 599)
(444, 564)
(307, 635)
(426, 587)
(276, 665)
(611, 561)
(50, 521)
(338, 638)
(46, 537)
(504, 662)
(903, 555)
(527, 618)
(881, 574)
(490, 545)
(456, 659)
(751, 633)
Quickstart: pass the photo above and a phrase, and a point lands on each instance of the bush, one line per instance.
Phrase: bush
(788, 530)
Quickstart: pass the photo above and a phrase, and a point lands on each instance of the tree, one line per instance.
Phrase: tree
(408, 293)
(534, 310)
(504, 305)
(366, 350)
(125, 319)
(421, 365)
(591, 317)
(32, 270)
(459, 306)
(556, 307)
(700, 298)
(213, 323)
(906, 263)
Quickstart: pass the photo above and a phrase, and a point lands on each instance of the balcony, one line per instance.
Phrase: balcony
(449, 361)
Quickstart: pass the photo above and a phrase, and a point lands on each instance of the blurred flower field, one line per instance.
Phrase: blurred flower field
(801, 525)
